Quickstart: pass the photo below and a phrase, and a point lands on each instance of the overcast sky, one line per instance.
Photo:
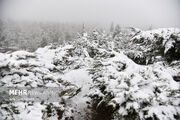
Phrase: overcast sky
(138, 13)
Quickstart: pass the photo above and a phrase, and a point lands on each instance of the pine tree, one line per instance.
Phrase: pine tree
(116, 31)
(112, 27)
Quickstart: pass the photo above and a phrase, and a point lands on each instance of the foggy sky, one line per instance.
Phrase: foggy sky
(137, 13)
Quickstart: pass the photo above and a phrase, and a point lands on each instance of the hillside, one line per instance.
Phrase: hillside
(100, 77)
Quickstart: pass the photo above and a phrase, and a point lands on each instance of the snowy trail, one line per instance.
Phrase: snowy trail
(81, 79)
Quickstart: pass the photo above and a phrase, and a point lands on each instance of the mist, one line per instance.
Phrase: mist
(136, 13)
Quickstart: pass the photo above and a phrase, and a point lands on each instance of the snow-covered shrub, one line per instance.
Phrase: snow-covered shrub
(125, 90)
(43, 68)
(158, 42)
(97, 79)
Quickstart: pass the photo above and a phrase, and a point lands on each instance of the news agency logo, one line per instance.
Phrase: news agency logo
(31, 94)
(18, 92)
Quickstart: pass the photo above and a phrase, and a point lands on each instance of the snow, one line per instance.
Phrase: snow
(82, 80)
(169, 45)
(162, 32)
(136, 83)
(108, 74)
(27, 113)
